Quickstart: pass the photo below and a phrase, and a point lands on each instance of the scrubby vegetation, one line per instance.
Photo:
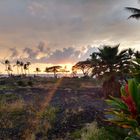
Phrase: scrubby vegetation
(19, 120)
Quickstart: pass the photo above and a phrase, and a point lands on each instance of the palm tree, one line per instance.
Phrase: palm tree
(28, 68)
(112, 63)
(17, 65)
(25, 67)
(7, 64)
(37, 71)
(21, 67)
(111, 58)
(95, 63)
(135, 12)
(9, 69)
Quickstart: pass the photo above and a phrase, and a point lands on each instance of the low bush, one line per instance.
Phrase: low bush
(93, 132)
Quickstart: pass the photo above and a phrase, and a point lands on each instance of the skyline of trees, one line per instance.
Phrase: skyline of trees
(108, 59)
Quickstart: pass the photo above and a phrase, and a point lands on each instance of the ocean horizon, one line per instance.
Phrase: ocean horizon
(45, 75)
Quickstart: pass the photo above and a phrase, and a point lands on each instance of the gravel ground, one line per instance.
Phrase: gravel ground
(76, 107)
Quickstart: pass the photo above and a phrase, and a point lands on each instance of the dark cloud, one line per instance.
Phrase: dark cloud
(14, 53)
(64, 23)
(64, 56)
(58, 56)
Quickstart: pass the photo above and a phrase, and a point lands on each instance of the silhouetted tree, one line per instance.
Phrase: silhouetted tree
(28, 67)
(21, 67)
(7, 65)
(96, 65)
(9, 69)
(17, 65)
(53, 69)
(84, 66)
(111, 59)
(74, 71)
(110, 63)
(25, 67)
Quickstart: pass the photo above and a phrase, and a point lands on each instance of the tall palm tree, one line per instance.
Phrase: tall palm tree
(28, 67)
(114, 64)
(17, 65)
(25, 68)
(7, 64)
(135, 12)
(21, 67)
(9, 69)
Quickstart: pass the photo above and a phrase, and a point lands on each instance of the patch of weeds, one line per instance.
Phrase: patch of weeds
(50, 114)
(116, 131)
(8, 98)
(17, 120)
(6, 87)
(93, 132)
(76, 134)
(46, 121)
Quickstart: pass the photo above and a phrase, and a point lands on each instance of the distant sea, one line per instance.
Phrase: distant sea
(46, 75)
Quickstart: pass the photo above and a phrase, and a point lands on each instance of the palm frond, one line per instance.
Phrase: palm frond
(136, 16)
(133, 10)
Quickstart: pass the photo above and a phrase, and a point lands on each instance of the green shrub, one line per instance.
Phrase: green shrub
(93, 132)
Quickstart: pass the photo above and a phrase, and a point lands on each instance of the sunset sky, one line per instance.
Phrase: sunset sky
(64, 31)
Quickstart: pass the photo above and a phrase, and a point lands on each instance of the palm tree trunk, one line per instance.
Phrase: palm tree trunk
(6, 66)
(28, 72)
(21, 70)
(17, 70)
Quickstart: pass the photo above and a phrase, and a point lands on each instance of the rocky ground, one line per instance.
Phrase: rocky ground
(76, 109)
(76, 106)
